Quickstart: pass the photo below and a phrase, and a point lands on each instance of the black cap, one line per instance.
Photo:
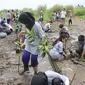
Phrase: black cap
(57, 81)
(39, 79)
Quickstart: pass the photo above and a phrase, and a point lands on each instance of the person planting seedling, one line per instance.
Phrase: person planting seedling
(34, 39)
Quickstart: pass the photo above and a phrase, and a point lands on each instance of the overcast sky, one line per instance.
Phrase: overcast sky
(20, 4)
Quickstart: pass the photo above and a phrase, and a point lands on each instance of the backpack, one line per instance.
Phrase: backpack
(39, 79)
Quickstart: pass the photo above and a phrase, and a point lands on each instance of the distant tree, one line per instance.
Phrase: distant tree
(78, 5)
(57, 7)
(32, 11)
(25, 9)
(82, 6)
(41, 8)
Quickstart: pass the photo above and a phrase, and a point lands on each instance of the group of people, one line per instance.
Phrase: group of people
(31, 51)
(62, 15)
(76, 50)
(11, 16)
(56, 15)
(57, 52)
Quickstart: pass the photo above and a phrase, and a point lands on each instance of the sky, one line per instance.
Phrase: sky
(20, 4)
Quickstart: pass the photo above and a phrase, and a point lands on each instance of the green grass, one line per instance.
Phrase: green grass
(79, 11)
(83, 17)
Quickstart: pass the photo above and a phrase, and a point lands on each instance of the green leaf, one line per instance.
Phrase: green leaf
(33, 32)
(41, 47)
(24, 33)
(28, 31)
(20, 41)
(46, 49)
(43, 54)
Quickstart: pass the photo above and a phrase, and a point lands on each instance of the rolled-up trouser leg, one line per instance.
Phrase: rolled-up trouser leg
(34, 60)
(34, 63)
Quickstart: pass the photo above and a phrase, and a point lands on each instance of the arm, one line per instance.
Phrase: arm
(83, 53)
(61, 50)
(64, 54)
(60, 46)
(24, 44)
(74, 46)
(40, 31)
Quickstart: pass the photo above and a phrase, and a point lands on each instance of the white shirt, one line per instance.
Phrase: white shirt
(56, 50)
(9, 26)
(51, 75)
(32, 46)
(65, 28)
(8, 16)
(57, 14)
(47, 26)
(70, 15)
(63, 14)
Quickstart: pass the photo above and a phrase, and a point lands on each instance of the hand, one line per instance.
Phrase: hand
(17, 43)
(23, 46)
(65, 55)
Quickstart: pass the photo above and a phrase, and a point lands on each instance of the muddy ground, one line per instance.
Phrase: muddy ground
(9, 59)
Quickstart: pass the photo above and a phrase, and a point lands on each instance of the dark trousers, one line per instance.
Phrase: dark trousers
(8, 21)
(70, 21)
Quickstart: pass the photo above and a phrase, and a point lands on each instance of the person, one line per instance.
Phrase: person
(49, 78)
(47, 26)
(57, 15)
(41, 16)
(54, 16)
(63, 31)
(8, 16)
(57, 52)
(70, 17)
(31, 46)
(40, 23)
(2, 21)
(78, 48)
(12, 16)
(63, 16)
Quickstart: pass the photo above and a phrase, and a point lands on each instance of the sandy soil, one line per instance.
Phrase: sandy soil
(8, 57)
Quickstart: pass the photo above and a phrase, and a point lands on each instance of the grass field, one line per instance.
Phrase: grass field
(83, 17)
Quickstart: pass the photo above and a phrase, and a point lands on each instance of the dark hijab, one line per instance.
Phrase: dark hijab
(27, 19)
